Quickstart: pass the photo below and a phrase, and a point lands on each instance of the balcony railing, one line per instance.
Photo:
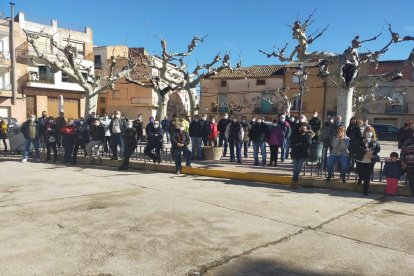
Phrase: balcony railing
(396, 108)
(147, 101)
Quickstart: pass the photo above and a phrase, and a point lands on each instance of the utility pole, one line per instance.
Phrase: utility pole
(12, 55)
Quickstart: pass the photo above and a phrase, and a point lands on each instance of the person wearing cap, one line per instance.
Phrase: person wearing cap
(287, 131)
(221, 126)
(155, 142)
(181, 140)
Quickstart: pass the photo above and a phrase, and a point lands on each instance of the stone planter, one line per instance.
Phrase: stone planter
(212, 153)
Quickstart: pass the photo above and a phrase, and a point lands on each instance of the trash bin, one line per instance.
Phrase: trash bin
(212, 153)
(16, 139)
(315, 152)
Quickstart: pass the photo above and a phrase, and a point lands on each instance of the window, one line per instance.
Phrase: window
(65, 77)
(116, 95)
(98, 62)
(102, 100)
(78, 45)
(135, 100)
(223, 83)
(260, 82)
(223, 103)
(45, 74)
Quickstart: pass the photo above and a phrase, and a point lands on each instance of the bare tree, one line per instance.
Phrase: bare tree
(178, 78)
(346, 66)
(68, 62)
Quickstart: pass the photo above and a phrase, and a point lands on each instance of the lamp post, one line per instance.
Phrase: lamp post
(302, 75)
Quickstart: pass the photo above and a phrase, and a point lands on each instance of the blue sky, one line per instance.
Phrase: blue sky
(241, 26)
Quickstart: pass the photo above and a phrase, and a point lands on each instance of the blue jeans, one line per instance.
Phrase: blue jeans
(223, 142)
(27, 143)
(256, 146)
(284, 150)
(187, 155)
(297, 167)
(117, 140)
(343, 161)
(238, 150)
(167, 135)
(196, 147)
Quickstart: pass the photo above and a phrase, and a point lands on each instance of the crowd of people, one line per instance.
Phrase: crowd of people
(354, 147)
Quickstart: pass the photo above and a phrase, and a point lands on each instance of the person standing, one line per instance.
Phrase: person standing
(30, 130)
(259, 135)
(196, 132)
(4, 132)
(130, 144)
(117, 128)
(42, 121)
(97, 138)
(405, 133)
(50, 139)
(316, 125)
(60, 124)
(246, 141)
(354, 133)
(205, 130)
(81, 139)
(300, 145)
(105, 122)
(165, 125)
(287, 131)
(68, 139)
(212, 138)
(181, 140)
(325, 138)
(407, 157)
(366, 157)
(155, 142)
(234, 135)
(276, 138)
(221, 126)
(340, 146)
(138, 124)
(392, 172)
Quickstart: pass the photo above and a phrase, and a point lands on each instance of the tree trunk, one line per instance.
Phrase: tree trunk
(91, 101)
(193, 102)
(162, 106)
(344, 102)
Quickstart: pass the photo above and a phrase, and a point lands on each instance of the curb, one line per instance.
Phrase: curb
(269, 178)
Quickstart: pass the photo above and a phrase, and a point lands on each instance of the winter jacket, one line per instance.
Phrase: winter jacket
(138, 125)
(42, 122)
(287, 131)
(246, 128)
(213, 131)
(82, 133)
(392, 169)
(403, 135)
(123, 125)
(365, 146)
(60, 123)
(68, 134)
(97, 133)
(105, 123)
(259, 133)
(316, 125)
(300, 145)
(205, 128)
(324, 136)
(186, 139)
(354, 134)
(276, 136)
(196, 128)
(340, 147)
(25, 129)
(407, 154)
(234, 132)
(165, 124)
(155, 137)
(222, 124)
(50, 132)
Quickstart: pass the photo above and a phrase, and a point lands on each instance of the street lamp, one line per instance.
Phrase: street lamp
(302, 75)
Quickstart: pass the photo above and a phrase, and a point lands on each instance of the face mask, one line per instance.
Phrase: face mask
(196, 119)
(156, 126)
(282, 120)
(369, 134)
(181, 129)
(302, 120)
(292, 120)
(70, 123)
(315, 115)
(50, 121)
(117, 116)
(259, 121)
(96, 125)
(226, 117)
(297, 121)
(204, 119)
(235, 120)
(81, 123)
(32, 119)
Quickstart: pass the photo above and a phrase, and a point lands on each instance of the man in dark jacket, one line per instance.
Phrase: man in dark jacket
(221, 127)
(300, 145)
(81, 139)
(316, 125)
(130, 142)
(30, 130)
(117, 128)
(97, 138)
(60, 123)
(258, 135)
(41, 122)
(405, 133)
(181, 140)
(139, 129)
(205, 130)
(165, 125)
(234, 134)
(284, 125)
(354, 133)
(246, 129)
(155, 141)
(196, 133)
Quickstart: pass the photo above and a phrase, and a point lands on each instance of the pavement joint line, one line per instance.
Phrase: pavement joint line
(364, 242)
(64, 198)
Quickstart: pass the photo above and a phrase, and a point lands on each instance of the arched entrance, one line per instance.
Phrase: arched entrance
(178, 104)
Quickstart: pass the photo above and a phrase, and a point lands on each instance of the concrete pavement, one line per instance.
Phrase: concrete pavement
(94, 220)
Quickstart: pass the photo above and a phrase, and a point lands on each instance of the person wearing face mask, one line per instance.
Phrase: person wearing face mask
(275, 140)
(42, 121)
(300, 145)
(340, 146)
(81, 139)
(259, 135)
(30, 130)
(287, 131)
(234, 135)
(105, 122)
(221, 126)
(68, 138)
(355, 136)
(325, 138)
(246, 141)
(165, 125)
(407, 162)
(316, 125)
(196, 132)
(50, 139)
(366, 157)
(60, 123)
(138, 124)
(334, 129)
(155, 142)
(97, 138)
(130, 145)
(206, 128)
(117, 127)
(181, 140)
(212, 138)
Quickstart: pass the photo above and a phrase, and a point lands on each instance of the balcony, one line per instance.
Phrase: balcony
(144, 101)
(6, 90)
(5, 60)
(396, 108)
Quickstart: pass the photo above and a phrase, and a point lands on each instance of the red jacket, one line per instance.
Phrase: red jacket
(213, 132)
(68, 130)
